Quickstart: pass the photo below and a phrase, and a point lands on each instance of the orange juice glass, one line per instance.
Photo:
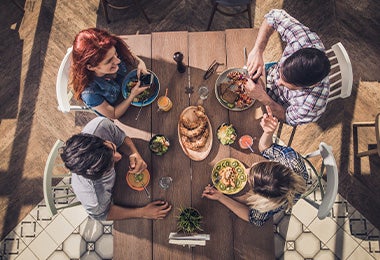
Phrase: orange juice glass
(164, 103)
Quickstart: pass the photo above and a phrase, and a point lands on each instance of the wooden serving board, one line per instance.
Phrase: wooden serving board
(204, 151)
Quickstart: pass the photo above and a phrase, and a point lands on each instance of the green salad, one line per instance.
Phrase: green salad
(159, 144)
(226, 134)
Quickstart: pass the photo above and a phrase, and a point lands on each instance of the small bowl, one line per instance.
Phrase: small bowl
(159, 144)
(226, 140)
(138, 181)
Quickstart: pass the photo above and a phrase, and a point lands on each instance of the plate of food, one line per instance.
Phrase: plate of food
(195, 133)
(230, 92)
(138, 181)
(226, 134)
(159, 144)
(149, 95)
(229, 176)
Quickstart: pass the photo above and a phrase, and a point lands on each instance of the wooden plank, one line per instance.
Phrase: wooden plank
(203, 49)
(133, 237)
(247, 122)
(174, 163)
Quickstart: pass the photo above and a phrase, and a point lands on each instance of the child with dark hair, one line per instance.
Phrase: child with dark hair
(91, 156)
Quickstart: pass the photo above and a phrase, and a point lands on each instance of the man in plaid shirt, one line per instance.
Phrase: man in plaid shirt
(298, 85)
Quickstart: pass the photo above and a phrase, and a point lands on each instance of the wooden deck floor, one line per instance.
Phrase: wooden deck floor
(34, 42)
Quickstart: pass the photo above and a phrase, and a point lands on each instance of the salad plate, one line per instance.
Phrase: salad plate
(149, 95)
(229, 176)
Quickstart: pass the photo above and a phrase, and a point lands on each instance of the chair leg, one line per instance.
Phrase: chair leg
(292, 135)
(212, 16)
(137, 3)
(105, 11)
(278, 134)
(249, 15)
(357, 162)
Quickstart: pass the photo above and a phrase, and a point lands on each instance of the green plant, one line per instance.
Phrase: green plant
(189, 220)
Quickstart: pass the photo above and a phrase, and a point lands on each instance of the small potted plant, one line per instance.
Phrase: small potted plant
(189, 221)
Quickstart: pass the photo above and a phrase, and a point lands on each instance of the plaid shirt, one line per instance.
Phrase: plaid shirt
(290, 158)
(306, 105)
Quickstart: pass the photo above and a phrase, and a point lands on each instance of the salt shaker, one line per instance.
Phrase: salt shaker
(178, 57)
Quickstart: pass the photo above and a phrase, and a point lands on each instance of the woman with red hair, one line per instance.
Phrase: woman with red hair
(100, 63)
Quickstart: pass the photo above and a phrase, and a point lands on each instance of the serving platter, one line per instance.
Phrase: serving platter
(239, 181)
(154, 90)
(222, 78)
(202, 153)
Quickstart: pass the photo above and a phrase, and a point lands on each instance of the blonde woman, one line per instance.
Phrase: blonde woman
(275, 185)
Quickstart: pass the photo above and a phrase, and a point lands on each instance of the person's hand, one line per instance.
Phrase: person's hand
(136, 163)
(212, 193)
(136, 90)
(156, 210)
(255, 90)
(255, 64)
(141, 68)
(269, 122)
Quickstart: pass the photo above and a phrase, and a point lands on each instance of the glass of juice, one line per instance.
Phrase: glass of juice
(245, 142)
(164, 103)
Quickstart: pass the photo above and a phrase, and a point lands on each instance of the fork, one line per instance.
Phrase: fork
(217, 180)
(138, 114)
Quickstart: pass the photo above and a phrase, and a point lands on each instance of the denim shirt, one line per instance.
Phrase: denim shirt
(104, 88)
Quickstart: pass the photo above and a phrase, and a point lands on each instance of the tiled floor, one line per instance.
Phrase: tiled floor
(299, 235)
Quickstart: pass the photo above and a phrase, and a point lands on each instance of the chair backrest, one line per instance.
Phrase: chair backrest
(341, 76)
(330, 168)
(56, 183)
(64, 95)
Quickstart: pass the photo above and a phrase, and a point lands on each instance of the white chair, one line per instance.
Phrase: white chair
(57, 189)
(63, 94)
(340, 77)
(330, 169)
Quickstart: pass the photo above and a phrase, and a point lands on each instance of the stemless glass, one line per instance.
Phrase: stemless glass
(165, 182)
(203, 92)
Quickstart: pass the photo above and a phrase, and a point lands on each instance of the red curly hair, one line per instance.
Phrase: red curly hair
(90, 47)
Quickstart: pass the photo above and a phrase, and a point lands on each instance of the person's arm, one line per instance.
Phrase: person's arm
(241, 210)
(256, 91)
(141, 67)
(255, 61)
(154, 210)
(136, 162)
(269, 124)
(115, 112)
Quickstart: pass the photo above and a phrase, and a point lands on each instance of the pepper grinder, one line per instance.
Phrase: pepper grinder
(178, 57)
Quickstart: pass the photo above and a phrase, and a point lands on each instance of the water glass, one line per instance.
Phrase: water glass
(165, 182)
(203, 92)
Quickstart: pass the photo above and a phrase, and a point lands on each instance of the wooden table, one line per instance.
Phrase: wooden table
(231, 238)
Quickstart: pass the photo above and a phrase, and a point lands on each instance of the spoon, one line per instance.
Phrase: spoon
(146, 190)
(249, 147)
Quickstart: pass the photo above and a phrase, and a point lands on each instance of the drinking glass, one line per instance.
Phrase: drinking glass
(164, 103)
(165, 182)
(203, 92)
